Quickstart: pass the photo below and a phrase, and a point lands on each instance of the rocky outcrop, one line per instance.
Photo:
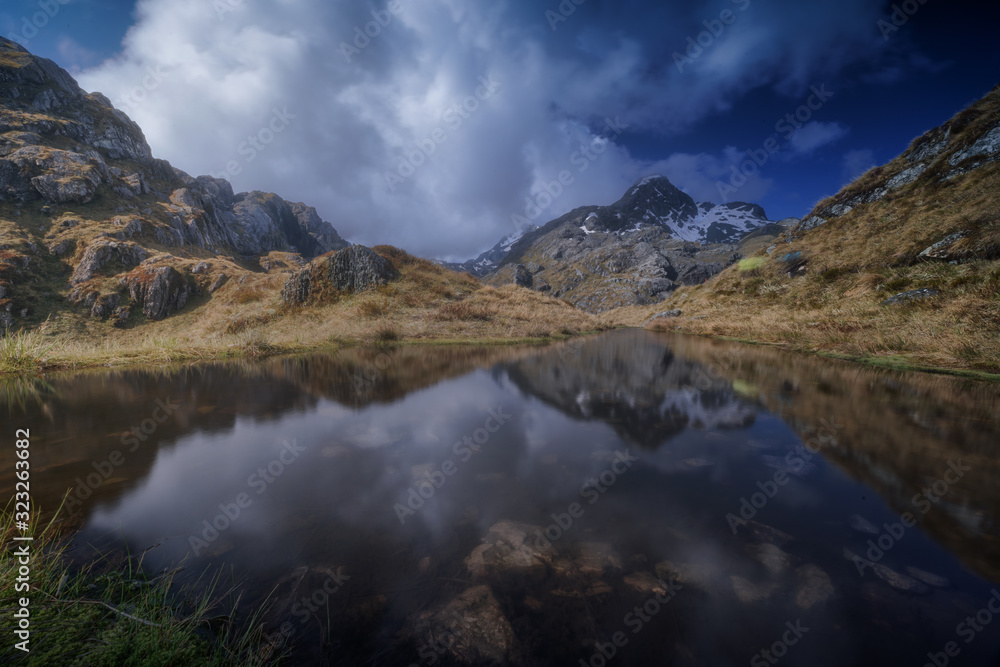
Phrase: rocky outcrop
(159, 291)
(206, 213)
(967, 142)
(97, 256)
(912, 295)
(944, 249)
(61, 147)
(353, 269)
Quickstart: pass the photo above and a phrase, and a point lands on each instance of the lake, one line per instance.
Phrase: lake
(626, 499)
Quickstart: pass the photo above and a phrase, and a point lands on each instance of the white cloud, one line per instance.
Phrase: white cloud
(202, 85)
(813, 135)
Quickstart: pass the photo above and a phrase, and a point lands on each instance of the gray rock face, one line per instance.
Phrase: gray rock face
(912, 295)
(219, 283)
(206, 213)
(353, 269)
(810, 223)
(987, 147)
(104, 306)
(664, 314)
(97, 257)
(158, 291)
(941, 249)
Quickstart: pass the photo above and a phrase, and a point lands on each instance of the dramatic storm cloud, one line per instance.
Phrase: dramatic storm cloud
(430, 124)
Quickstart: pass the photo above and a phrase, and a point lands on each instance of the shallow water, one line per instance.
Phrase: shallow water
(660, 499)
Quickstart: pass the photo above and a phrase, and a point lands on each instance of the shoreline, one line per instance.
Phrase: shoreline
(98, 359)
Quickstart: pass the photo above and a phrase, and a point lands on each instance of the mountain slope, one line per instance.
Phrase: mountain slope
(903, 263)
(87, 213)
(635, 251)
(108, 255)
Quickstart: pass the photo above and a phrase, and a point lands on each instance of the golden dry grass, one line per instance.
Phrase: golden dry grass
(857, 261)
(247, 318)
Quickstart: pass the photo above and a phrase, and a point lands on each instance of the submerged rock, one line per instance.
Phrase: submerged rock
(510, 546)
(814, 587)
(899, 581)
(598, 558)
(774, 559)
(928, 578)
(863, 525)
(749, 592)
(471, 629)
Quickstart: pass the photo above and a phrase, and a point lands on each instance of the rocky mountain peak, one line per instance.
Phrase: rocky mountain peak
(78, 179)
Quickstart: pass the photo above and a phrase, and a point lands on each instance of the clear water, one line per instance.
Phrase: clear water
(628, 499)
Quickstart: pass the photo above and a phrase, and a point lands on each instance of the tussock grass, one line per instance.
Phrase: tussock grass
(23, 352)
(107, 615)
(751, 263)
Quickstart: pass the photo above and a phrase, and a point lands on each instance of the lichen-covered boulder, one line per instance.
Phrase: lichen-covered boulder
(158, 291)
(354, 269)
(98, 255)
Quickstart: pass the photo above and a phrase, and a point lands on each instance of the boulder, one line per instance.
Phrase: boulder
(219, 283)
(98, 255)
(353, 269)
(664, 314)
(104, 306)
(158, 291)
(942, 249)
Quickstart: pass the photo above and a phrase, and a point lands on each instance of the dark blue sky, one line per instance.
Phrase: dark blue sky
(225, 73)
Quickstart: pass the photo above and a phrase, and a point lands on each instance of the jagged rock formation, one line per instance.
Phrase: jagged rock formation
(488, 261)
(967, 142)
(68, 158)
(353, 269)
(636, 251)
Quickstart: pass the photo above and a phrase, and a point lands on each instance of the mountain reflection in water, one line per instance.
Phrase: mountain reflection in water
(524, 505)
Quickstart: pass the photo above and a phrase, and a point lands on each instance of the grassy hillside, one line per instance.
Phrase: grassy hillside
(822, 289)
(247, 317)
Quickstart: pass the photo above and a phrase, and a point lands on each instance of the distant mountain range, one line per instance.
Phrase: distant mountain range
(652, 202)
(635, 251)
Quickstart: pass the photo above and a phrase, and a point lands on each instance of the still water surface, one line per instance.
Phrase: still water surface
(628, 499)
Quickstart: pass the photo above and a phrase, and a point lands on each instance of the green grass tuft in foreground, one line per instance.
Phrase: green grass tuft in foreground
(98, 615)
(23, 352)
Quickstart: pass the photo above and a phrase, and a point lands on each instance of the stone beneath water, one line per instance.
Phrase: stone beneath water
(510, 546)
(928, 578)
(899, 581)
(645, 583)
(597, 558)
(863, 525)
(749, 592)
(703, 576)
(471, 629)
(814, 587)
(774, 559)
